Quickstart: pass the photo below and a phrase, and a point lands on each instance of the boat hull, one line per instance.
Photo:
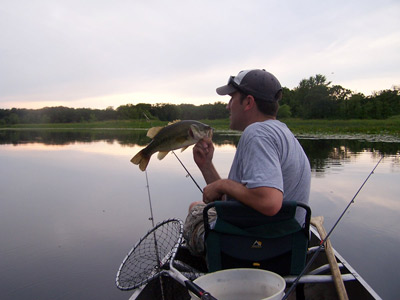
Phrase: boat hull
(316, 285)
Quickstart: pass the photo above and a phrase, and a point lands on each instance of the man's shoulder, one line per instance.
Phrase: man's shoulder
(265, 127)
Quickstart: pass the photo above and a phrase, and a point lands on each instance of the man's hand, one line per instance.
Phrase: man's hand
(212, 192)
(203, 153)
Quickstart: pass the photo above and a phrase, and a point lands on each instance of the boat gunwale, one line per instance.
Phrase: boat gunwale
(357, 277)
(347, 265)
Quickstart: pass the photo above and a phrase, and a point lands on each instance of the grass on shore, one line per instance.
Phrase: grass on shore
(383, 127)
(389, 126)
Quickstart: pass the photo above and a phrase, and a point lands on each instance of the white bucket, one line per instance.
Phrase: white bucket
(242, 284)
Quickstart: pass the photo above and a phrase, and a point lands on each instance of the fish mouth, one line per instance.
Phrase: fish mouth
(198, 133)
(209, 132)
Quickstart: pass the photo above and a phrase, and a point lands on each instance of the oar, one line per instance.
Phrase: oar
(337, 276)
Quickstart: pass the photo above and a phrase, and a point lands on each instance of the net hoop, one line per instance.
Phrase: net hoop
(145, 261)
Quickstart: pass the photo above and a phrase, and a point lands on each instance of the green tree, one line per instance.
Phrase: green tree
(166, 112)
(290, 98)
(284, 111)
(354, 107)
(341, 97)
(388, 102)
(313, 95)
(12, 119)
(126, 112)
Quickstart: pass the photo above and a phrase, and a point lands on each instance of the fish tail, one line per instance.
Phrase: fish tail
(141, 159)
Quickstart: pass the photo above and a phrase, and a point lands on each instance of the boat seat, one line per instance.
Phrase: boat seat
(244, 238)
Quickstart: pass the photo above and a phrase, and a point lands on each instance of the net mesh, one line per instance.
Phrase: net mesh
(145, 261)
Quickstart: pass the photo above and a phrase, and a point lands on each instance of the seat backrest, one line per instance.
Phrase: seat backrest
(244, 238)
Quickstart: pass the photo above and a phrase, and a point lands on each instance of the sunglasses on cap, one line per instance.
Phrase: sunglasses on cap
(232, 82)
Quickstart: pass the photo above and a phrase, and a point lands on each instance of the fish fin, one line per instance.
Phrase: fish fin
(162, 154)
(184, 148)
(152, 132)
(173, 122)
(141, 160)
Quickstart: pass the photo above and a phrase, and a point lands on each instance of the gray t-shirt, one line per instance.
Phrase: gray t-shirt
(269, 155)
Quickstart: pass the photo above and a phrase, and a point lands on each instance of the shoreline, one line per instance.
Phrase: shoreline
(388, 127)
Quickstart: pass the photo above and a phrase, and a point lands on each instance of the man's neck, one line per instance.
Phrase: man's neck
(261, 118)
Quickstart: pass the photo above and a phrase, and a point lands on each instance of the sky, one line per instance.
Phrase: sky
(97, 53)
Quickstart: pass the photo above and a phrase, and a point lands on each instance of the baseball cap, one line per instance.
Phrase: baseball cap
(260, 84)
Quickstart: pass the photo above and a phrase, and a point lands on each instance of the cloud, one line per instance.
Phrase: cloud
(74, 52)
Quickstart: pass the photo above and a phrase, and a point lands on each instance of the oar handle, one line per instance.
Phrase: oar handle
(337, 276)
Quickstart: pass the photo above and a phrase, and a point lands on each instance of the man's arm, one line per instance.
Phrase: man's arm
(266, 200)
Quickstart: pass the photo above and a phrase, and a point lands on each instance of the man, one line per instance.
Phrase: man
(270, 165)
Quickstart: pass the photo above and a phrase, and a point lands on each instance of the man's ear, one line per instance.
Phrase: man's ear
(249, 102)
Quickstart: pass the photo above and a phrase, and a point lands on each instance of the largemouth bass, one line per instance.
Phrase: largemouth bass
(180, 134)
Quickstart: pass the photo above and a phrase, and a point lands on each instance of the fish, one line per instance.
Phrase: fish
(176, 135)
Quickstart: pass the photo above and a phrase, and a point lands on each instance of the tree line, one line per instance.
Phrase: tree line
(316, 98)
(141, 111)
(313, 98)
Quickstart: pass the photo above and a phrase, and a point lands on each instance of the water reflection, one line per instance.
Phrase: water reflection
(323, 153)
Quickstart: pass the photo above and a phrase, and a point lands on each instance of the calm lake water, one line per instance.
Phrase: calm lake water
(72, 206)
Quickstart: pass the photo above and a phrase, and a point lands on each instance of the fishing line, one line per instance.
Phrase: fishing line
(154, 235)
(148, 193)
(188, 172)
(327, 236)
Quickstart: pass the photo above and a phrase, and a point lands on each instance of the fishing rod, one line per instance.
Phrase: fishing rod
(188, 172)
(157, 254)
(323, 241)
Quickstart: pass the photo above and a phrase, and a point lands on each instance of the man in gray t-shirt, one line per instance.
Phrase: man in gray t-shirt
(269, 167)
(268, 155)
